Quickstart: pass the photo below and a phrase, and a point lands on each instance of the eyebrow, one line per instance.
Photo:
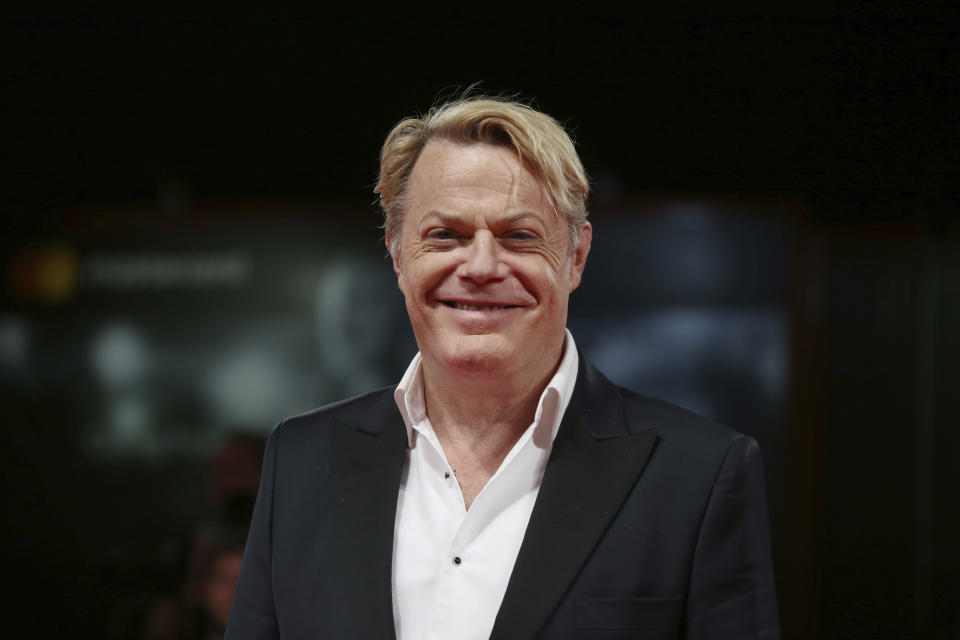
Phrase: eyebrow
(445, 218)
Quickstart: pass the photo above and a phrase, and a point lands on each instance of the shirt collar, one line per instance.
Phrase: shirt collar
(553, 401)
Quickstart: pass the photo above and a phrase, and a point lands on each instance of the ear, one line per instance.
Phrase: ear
(395, 258)
(579, 259)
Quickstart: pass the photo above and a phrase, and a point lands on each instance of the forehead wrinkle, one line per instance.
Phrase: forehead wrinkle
(516, 188)
(511, 167)
(517, 217)
(450, 219)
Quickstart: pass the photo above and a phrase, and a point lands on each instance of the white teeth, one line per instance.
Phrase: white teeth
(473, 307)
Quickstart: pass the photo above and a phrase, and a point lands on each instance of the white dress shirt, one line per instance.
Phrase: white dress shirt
(450, 565)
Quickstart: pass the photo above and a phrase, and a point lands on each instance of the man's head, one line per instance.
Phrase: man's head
(488, 235)
(540, 142)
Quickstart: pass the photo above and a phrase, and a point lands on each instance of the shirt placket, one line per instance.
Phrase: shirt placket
(449, 585)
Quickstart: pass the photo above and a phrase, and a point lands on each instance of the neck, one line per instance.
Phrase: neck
(489, 409)
(478, 419)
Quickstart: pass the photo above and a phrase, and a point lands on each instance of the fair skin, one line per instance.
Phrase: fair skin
(486, 268)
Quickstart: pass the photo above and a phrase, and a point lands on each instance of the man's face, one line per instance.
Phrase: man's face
(484, 262)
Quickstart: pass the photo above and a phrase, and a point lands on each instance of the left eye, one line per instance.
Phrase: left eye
(519, 235)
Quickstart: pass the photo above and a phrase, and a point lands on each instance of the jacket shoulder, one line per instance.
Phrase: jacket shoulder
(352, 412)
(675, 424)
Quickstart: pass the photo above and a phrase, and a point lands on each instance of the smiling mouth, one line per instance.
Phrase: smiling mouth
(477, 307)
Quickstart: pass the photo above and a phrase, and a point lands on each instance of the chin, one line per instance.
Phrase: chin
(480, 359)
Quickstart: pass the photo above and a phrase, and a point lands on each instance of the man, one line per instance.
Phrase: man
(504, 488)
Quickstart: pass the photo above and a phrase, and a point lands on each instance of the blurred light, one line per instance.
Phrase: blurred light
(129, 420)
(119, 357)
(44, 273)
(353, 320)
(251, 387)
(14, 344)
(684, 355)
(131, 271)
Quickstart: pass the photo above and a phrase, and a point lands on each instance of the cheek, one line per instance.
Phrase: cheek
(556, 261)
(555, 273)
(422, 274)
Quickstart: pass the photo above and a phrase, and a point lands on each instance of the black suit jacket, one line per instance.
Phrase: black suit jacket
(651, 522)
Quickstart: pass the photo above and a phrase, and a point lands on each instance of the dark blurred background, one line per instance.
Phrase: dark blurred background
(191, 253)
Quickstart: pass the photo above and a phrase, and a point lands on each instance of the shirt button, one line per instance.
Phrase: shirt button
(457, 560)
(446, 474)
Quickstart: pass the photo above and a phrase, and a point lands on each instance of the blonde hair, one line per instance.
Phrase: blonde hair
(540, 141)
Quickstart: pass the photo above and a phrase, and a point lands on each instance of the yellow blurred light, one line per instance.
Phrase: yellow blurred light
(43, 273)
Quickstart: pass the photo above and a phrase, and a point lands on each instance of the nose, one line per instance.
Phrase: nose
(482, 260)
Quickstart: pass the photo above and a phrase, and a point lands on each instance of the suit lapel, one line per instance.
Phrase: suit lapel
(367, 465)
(594, 464)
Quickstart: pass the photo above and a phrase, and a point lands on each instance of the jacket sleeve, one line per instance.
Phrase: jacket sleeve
(254, 614)
(731, 590)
